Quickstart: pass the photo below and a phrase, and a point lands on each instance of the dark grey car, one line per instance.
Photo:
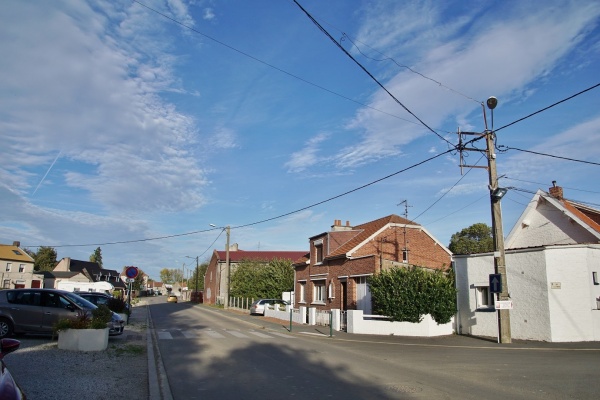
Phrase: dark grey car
(37, 310)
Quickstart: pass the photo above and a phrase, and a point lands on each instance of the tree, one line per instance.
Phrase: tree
(201, 272)
(97, 257)
(44, 259)
(406, 294)
(260, 279)
(472, 240)
(170, 276)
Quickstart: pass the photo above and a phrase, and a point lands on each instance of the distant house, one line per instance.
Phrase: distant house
(333, 275)
(16, 268)
(89, 270)
(553, 275)
(216, 277)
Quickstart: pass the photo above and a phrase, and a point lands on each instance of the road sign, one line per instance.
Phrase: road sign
(129, 280)
(504, 305)
(495, 283)
(131, 272)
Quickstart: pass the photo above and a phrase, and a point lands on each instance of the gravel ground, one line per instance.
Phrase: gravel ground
(46, 373)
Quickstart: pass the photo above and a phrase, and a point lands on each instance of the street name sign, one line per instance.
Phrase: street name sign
(504, 305)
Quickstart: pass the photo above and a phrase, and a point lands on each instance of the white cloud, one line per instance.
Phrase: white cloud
(513, 51)
(308, 156)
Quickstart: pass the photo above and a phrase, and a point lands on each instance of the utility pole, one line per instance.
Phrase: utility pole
(405, 250)
(228, 265)
(496, 194)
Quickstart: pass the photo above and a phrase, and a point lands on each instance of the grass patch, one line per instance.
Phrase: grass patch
(130, 349)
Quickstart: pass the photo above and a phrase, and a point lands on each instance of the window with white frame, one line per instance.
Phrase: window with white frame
(319, 292)
(6, 284)
(302, 292)
(21, 267)
(8, 267)
(483, 297)
(330, 291)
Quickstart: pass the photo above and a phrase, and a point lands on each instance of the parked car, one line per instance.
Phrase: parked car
(98, 298)
(258, 307)
(172, 299)
(37, 310)
(9, 390)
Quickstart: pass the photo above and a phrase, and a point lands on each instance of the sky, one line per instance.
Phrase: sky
(133, 126)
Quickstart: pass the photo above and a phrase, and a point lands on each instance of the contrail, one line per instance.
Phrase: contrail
(53, 162)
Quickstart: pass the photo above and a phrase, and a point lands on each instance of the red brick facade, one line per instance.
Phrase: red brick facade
(350, 254)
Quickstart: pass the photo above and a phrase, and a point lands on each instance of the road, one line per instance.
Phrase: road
(213, 354)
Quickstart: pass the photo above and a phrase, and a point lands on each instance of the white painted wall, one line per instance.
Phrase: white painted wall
(552, 291)
(356, 323)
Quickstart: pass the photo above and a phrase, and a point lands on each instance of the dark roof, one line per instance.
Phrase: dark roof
(91, 268)
(60, 274)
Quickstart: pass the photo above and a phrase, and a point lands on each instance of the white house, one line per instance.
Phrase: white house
(553, 268)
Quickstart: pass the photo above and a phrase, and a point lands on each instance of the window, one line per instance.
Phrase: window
(8, 266)
(405, 256)
(302, 292)
(595, 278)
(330, 291)
(319, 292)
(6, 284)
(21, 267)
(484, 298)
(319, 252)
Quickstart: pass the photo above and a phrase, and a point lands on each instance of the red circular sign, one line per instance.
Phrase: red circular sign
(131, 272)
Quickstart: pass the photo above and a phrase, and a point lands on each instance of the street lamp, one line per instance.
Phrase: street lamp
(227, 264)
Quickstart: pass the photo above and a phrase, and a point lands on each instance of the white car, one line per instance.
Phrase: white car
(258, 307)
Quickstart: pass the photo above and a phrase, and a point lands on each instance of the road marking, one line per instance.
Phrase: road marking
(260, 334)
(190, 334)
(281, 335)
(213, 334)
(237, 334)
(164, 335)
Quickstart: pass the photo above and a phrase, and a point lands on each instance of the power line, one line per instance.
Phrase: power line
(314, 21)
(505, 148)
(540, 183)
(550, 106)
(264, 220)
(273, 66)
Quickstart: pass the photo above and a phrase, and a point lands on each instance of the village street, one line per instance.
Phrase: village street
(213, 353)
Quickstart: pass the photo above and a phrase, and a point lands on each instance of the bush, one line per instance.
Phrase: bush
(98, 319)
(118, 305)
(406, 294)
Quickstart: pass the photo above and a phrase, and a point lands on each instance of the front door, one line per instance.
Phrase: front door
(363, 295)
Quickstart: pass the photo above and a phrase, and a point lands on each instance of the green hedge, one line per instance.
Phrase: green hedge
(407, 294)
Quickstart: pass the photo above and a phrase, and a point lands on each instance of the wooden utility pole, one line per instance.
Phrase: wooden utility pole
(496, 193)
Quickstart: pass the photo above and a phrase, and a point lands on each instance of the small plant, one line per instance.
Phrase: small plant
(98, 319)
(118, 305)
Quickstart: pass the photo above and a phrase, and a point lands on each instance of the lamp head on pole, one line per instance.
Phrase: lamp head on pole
(498, 193)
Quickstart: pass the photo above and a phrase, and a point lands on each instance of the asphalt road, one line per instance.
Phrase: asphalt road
(216, 354)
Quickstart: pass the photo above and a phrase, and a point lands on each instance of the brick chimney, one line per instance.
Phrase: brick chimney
(337, 226)
(556, 191)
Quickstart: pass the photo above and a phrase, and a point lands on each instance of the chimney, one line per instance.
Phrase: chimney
(17, 243)
(337, 226)
(556, 191)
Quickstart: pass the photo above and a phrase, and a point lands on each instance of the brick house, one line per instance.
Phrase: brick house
(216, 277)
(333, 275)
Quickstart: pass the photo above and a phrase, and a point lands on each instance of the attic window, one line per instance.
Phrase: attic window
(319, 253)
(17, 252)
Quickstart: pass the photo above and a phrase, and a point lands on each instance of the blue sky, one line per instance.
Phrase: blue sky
(125, 122)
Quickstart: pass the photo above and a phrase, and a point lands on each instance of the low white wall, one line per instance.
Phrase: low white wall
(356, 323)
(285, 315)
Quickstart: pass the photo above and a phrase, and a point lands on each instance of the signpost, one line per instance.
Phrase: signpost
(131, 273)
